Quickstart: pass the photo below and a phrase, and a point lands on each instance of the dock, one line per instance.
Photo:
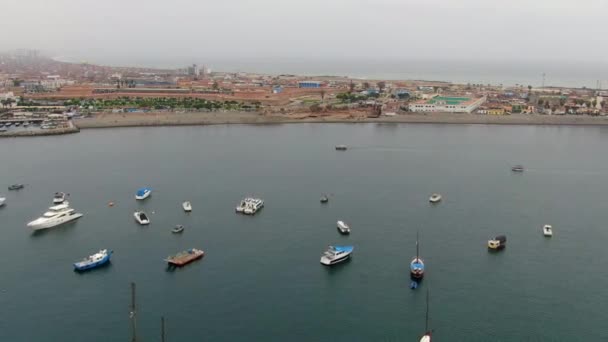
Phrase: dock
(185, 257)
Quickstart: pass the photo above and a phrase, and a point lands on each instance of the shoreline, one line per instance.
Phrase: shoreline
(116, 120)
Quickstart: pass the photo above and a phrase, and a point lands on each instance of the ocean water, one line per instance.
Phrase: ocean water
(496, 72)
(261, 278)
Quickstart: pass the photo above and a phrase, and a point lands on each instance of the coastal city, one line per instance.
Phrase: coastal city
(43, 96)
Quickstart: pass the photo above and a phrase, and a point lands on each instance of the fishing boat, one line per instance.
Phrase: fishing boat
(55, 216)
(324, 199)
(336, 254)
(143, 193)
(177, 229)
(16, 187)
(497, 243)
(435, 198)
(187, 206)
(185, 257)
(427, 335)
(341, 147)
(59, 198)
(343, 228)
(548, 230)
(141, 218)
(517, 168)
(92, 261)
(417, 265)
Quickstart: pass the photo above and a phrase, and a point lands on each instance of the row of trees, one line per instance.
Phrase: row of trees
(160, 103)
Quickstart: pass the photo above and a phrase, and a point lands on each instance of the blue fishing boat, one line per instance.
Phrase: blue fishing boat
(417, 265)
(98, 259)
(143, 193)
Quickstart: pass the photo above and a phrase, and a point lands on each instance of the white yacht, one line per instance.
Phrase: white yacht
(59, 198)
(187, 206)
(253, 206)
(547, 230)
(343, 227)
(435, 198)
(141, 217)
(336, 254)
(55, 216)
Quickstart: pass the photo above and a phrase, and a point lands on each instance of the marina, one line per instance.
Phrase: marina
(386, 210)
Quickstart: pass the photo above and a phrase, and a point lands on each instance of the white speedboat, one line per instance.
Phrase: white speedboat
(59, 198)
(548, 230)
(143, 193)
(141, 217)
(343, 228)
(187, 206)
(336, 254)
(55, 216)
(2, 201)
(435, 198)
(253, 206)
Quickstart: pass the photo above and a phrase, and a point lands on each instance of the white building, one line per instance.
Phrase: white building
(447, 104)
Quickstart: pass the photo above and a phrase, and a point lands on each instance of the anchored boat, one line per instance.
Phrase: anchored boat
(178, 229)
(417, 265)
(143, 193)
(427, 335)
(336, 254)
(341, 147)
(517, 168)
(548, 230)
(324, 199)
(435, 198)
(497, 243)
(187, 206)
(141, 218)
(343, 228)
(185, 257)
(2, 201)
(55, 216)
(16, 187)
(92, 261)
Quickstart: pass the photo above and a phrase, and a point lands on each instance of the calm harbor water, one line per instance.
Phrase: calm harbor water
(261, 278)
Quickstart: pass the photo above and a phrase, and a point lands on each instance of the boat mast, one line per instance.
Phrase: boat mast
(133, 315)
(417, 254)
(426, 324)
(162, 329)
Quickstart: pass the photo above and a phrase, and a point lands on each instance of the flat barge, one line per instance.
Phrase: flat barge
(185, 257)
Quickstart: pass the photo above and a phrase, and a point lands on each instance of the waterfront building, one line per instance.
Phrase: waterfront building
(447, 104)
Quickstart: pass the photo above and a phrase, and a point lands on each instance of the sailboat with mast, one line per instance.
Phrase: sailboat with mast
(417, 265)
(427, 335)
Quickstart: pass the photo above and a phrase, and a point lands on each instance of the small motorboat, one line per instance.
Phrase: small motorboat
(178, 229)
(59, 198)
(324, 199)
(548, 230)
(343, 228)
(2, 201)
(341, 147)
(187, 206)
(517, 168)
(98, 259)
(497, 243)
(16, 187)
(141, 218)
(435, 198)
(143, 193)
(336, 254)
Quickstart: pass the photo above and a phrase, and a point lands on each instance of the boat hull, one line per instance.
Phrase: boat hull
(329, 262)
(141, 221)
(40, 225)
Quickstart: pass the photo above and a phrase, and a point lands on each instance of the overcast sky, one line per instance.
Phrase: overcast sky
(391, 29)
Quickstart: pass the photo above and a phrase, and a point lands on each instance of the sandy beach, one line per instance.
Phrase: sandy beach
(108, 120)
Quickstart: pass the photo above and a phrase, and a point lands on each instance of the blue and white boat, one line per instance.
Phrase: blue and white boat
(336, 254)
(417, 265)
(98, 259)
(143, 193)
